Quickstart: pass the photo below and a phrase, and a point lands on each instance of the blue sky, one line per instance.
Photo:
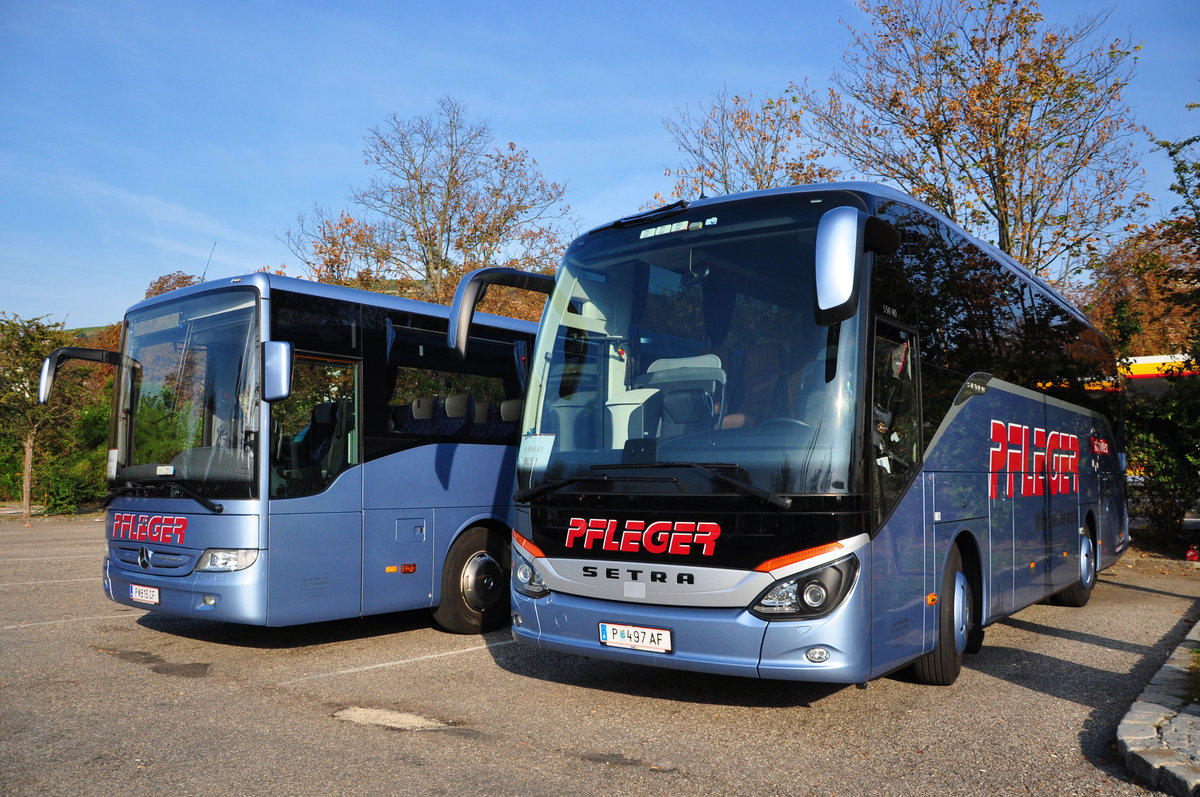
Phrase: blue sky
(135, 135)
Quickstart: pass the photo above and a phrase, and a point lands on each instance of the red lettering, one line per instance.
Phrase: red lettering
(1038, 474)
(156, 524)
(575, 530)
(595, 531)
(1034, 461)
(181, 524)
(1073, 462)
(657, 536)
(997, 457)
(1016, 455)
(662, 536)
(706, 537)
(610, 541)
(631, 537)
(682, 537)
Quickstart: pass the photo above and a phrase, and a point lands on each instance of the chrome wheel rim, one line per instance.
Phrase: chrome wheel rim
(482, 581)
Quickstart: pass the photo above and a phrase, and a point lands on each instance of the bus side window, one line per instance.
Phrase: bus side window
(313, 431)
(896, 415)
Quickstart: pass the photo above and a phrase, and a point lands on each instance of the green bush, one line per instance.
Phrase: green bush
(65, 485)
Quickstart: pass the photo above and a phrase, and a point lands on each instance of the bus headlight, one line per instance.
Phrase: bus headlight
(808, 595)
(525, 577)
(226, 560)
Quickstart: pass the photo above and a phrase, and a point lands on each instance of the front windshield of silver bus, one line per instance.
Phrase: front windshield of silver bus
(187, 399)
(692, 339)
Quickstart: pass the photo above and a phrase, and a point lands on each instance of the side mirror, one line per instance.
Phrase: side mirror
(843, 234)
(277, 370)
(470, 291)
(60, 355)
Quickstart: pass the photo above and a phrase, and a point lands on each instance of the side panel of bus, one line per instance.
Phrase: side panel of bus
(315, 545)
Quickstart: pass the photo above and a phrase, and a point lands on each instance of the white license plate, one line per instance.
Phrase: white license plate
(636, 637)
(141, 594)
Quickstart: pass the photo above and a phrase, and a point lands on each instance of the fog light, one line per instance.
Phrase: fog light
(517, 621)
(817, 655)
(210, 600)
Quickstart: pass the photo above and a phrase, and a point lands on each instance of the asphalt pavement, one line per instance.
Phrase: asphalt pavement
(1158, 737)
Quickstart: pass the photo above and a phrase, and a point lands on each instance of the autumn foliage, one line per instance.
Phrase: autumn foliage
(441, 201)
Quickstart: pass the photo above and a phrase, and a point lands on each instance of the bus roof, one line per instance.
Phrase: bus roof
(266, 282)
(872, 192)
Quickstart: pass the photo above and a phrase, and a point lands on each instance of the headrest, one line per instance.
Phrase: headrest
(422, 408)
(459, 405)
(510, 409)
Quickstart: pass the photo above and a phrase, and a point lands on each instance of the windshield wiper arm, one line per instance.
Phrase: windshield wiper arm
(646, 215)
(521, 496)
(715, 470)
(188, 492)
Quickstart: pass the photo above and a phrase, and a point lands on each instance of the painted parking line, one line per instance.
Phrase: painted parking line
(57, 581)
(96, 556)
(398, 663)
(71, 620)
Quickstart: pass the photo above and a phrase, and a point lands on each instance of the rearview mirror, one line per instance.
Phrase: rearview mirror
(843, 234)
(61, 355)
(277, 370)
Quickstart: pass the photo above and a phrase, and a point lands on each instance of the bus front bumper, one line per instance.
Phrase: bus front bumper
(238, 597)
(726, 641)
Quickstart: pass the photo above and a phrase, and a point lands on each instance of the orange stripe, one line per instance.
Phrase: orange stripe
(798, 556)
(527, 545)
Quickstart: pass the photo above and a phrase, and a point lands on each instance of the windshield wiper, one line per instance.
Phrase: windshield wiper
(644, 216)
(714, 469)
(521, 496)
(188, 492)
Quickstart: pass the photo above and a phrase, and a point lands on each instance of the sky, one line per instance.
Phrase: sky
(142, 138)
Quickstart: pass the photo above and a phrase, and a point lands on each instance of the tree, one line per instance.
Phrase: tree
(734, 144)
(169, 282)
(442, 201)
(340, 251)
(24, 343)
(1013, 127)
(1138, 295)
(1144, 295)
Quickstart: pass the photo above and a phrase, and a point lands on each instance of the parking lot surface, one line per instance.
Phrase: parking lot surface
(100, 698)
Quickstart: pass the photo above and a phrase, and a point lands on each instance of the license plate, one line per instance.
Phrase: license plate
(636, 637)
(141, 594)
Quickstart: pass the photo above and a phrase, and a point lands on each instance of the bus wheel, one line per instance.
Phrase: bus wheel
(1078, 593)
(940, 666)
(475, 583)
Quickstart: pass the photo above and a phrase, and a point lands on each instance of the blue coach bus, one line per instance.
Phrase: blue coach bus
(816, 433)
(285, 452)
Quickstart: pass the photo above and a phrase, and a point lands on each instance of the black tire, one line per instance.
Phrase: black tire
(475, 583)
(956, 627)
(1080, 592)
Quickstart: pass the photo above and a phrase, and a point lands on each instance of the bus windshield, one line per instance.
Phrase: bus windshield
(186, 411)
(690, 338)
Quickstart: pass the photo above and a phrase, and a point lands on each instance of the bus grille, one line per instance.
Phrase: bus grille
(152, 559)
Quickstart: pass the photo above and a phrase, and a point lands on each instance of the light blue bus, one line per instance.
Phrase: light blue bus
(816, 433)
(285, 452)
